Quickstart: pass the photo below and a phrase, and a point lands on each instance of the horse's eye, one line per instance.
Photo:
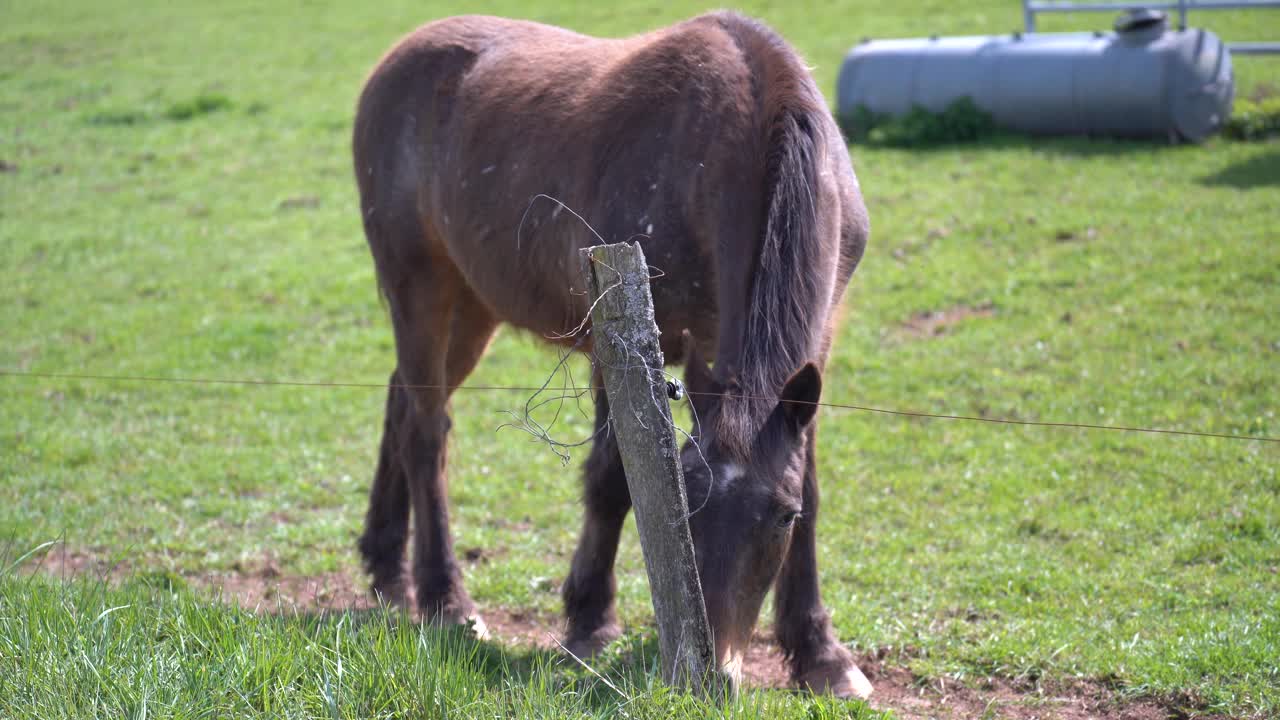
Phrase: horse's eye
(786, 520)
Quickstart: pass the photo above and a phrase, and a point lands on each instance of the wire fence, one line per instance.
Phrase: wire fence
(584, 389)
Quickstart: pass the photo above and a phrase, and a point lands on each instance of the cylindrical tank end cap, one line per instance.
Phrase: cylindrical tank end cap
(1141, 25)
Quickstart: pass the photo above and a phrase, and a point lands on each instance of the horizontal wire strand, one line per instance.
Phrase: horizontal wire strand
(499, 388)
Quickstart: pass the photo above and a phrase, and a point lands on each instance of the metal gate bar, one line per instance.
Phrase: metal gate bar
(1030, 8)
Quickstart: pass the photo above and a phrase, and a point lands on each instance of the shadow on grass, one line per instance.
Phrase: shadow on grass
(1258, 171)
(605, 683)
(389, 656)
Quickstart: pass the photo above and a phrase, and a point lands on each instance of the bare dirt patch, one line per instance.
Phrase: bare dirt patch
(913, 698)
(933, 323)
(268, 590)
(66, 563)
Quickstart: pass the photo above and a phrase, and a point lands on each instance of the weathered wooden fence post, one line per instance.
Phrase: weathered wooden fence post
(625, 341)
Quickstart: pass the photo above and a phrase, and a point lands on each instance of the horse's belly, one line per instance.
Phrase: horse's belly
(539, 285)
(541, 293)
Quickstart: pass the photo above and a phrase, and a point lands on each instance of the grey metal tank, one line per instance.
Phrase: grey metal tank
(1143, 80)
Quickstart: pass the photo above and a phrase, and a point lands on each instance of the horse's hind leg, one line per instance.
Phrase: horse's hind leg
(430, 311)
(590, 588)
(440, 333)
(386, 526)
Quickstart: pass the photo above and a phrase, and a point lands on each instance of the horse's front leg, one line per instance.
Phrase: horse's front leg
(818, 660)
(589, 590)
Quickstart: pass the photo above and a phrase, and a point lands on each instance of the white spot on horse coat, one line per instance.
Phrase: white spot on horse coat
(488, 170)
(732, 472)
(649, 231)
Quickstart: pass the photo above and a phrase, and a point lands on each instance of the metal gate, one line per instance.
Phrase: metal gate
(1030, 8)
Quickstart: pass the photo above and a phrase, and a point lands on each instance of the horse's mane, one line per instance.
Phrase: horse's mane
(791, 281)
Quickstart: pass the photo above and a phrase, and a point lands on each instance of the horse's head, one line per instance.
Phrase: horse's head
(745, 499)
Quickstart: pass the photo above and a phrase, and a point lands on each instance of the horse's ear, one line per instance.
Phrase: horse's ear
(799, 398)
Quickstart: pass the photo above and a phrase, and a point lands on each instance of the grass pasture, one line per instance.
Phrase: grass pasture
(176, 201)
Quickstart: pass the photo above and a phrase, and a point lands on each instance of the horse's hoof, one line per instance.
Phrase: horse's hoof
(587, 646)
(471, 622)
(477, 626)
(390, 595)
(839, 677)
(457, 614)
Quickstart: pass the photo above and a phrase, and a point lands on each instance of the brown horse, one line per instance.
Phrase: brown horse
(710, 140)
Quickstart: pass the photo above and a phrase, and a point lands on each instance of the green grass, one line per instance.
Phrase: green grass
(145, 650)
(176, 201)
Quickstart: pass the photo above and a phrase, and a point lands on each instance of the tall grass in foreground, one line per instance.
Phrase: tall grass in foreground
(148, 649)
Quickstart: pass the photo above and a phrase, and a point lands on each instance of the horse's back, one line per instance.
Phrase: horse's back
(659, 137)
